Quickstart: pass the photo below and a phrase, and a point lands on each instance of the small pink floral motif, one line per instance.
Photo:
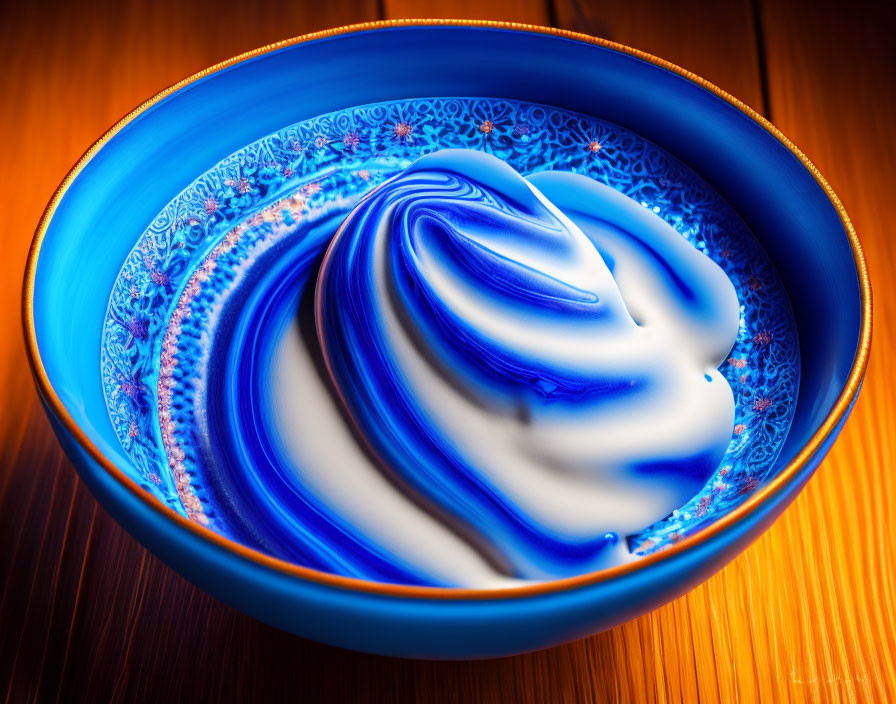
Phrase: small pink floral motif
(762, 338)
(486, 127)
(133, 430)
(136, 325)
(703, 506)
(402, 130)
(594, 146)
(131, 387)
(159, 277)
(364, 174)
(761, 405)
(739, 428)
(321, 142)
(211, 205)
(737, 362)
(243, 185)
(351, 140)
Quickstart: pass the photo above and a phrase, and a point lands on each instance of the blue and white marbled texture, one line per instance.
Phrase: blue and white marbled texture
(233, 368)
(534, 361)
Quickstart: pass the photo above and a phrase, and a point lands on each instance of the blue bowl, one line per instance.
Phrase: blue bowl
(129, 175)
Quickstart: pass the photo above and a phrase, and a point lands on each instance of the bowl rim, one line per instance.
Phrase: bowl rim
(774, 487)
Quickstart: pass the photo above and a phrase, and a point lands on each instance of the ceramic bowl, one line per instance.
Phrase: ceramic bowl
(125, 182)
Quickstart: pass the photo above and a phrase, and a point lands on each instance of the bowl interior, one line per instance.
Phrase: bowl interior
(155, 156)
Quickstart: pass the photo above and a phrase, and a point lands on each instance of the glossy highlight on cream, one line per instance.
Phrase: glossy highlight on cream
(526, 371)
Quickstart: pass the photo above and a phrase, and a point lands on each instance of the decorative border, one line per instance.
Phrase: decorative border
(276, 221)
(771, 489)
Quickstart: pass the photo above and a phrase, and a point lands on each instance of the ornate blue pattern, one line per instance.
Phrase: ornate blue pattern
(343, 154)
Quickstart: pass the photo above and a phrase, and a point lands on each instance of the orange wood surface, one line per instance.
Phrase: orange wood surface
(808, 613)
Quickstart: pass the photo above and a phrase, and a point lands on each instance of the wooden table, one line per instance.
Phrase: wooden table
(807, 613)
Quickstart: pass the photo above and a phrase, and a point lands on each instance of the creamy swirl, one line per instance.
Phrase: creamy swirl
(533, 361)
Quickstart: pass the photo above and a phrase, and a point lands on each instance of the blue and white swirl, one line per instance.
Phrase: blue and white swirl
(533, 362)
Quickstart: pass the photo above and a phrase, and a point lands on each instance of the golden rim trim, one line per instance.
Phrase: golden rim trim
(399, 590)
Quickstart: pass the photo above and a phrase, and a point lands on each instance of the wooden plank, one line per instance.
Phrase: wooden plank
(702, 646)
(525, 11)
(715, 40)
(831, 90)
(807, 613)
(85, 612)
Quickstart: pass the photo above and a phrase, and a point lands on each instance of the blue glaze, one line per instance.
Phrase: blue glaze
(156, 155)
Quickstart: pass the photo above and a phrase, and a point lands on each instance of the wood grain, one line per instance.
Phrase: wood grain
(714, 40)
(808, 613)
(526, 11)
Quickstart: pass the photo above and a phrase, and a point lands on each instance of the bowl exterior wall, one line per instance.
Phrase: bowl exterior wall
(423, 628)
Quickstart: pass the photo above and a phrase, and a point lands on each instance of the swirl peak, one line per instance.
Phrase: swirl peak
(533, 360)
